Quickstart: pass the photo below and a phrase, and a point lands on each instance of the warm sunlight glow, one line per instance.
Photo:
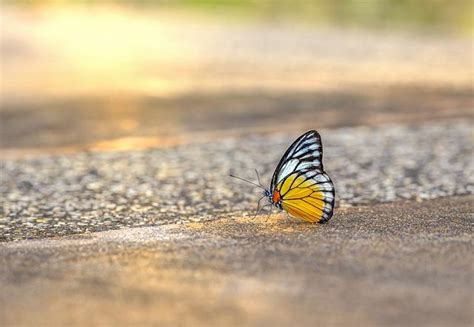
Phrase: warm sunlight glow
(76, 51)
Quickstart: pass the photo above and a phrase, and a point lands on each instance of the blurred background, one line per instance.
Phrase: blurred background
(111, 75)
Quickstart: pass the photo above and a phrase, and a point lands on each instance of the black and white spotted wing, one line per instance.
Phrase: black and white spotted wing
(306, 153)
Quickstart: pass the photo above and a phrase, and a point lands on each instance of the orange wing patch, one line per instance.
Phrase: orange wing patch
(276, 196)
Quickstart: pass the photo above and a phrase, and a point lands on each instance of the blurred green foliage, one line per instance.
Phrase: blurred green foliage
(429, 15)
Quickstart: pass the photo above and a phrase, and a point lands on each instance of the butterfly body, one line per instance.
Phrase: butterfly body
(275, 198)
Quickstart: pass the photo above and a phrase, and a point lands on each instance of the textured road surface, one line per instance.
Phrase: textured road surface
(398, 264)
(64, 194)
(101, 123)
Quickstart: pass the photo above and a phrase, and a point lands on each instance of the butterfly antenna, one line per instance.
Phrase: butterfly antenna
(258, 178)
(242, 179)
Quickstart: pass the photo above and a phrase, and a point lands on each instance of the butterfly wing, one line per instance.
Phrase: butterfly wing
(305, 190)
(308, 195)
(305, 153)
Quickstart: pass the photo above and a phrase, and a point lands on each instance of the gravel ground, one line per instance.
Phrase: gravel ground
(64, 194)
(396, 264)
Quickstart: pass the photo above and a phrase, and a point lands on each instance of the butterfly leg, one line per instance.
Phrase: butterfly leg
(258, 206)
(269, 214)
(265, 206)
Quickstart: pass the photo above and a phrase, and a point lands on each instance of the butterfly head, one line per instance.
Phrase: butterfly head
(267, 193)
(273, 197)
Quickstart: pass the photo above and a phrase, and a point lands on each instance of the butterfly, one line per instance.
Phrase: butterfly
(299, 184)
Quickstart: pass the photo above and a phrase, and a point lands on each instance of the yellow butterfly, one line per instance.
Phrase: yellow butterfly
(299, 184)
